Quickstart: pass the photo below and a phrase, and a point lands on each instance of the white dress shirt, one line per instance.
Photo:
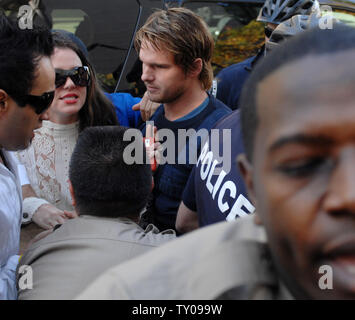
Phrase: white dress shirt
(10, 225)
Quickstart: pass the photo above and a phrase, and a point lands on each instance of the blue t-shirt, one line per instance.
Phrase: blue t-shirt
(123, 103)
(195, 112)
(230, 82)
(215, 189)
(170, 178)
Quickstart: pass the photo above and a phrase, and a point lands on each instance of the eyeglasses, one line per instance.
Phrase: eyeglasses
(268, 31)
(39, 103)
(79, 75)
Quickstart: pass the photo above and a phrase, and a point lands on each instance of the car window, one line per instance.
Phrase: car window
(343, 16)
(106, 28)
(236, 33)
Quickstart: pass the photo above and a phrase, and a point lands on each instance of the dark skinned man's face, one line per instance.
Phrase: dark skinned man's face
(302, 174)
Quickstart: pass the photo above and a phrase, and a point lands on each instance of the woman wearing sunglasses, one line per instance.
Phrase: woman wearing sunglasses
(79, 102)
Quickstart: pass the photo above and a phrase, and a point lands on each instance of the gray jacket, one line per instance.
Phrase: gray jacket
(228, 260)
(70, 258)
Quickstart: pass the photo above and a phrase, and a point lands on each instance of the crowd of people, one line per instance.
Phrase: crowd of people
(262, 175)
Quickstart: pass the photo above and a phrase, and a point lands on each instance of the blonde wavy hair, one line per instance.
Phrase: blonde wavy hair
(184, 34)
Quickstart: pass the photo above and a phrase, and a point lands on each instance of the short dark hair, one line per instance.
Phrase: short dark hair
(314, 41)
(20, 53)
(104, 185)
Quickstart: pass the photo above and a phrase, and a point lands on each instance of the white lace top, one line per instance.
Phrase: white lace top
(47, 162)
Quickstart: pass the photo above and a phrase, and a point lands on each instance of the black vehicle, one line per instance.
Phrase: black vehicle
(107, 28)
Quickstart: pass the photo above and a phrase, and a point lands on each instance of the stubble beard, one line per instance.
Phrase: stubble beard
(167, 98)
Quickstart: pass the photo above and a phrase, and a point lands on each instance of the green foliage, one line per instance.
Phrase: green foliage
(237, 44)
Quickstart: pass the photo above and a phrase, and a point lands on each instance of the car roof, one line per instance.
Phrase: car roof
(107, 28)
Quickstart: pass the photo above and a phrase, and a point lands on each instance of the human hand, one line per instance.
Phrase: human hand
(70, 214)
(146, 107)
(153, 146)
(47, 216)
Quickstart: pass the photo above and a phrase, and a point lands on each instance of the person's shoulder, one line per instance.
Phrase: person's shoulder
(219, 109)
(75, 232)
(120, 97)
(83, 227)
(16, 168)
(232, 69)
(123, 101)
(215, 110)
(230, 120)
(177, 269)
(219, 105)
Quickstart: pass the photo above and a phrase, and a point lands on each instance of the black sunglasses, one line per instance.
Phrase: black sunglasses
(79, 75)
(268, 31)
(39, 103)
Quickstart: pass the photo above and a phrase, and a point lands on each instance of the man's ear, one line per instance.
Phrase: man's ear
(3, 101)
(71, 190)
(196, 68)
(246, 169)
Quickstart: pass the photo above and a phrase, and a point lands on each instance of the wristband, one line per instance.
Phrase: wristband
(149, 144)
(30, 206)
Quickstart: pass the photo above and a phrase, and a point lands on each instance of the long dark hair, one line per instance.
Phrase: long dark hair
(98, 109)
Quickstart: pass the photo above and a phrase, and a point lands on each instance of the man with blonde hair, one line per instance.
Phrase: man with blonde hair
(176, 48)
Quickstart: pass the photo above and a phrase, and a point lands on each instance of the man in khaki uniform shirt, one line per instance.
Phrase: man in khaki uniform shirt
(108, 195)
(298, 122)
